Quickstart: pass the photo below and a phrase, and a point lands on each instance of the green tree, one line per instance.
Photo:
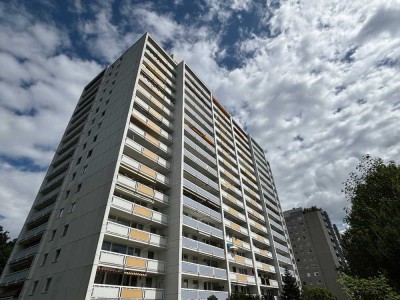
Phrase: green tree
(290, 290)
(367, 289)
(372, 242)
(6, 247)
(316, 293)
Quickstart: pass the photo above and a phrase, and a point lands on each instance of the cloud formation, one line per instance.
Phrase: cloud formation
(315, 82)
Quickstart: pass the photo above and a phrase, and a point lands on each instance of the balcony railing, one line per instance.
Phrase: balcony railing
(200, 162)
(201, 191)
(50, 196)
(273, 223)
(281, 247)
(139, 210)
(284, 259)
(131, 262)
(15, 277)
(31, 251)
(265, 267)
(202, 270)
(142, 189)
(240, 260)
(161, 161)
(41, 213)
(198, 109)
(234, 212)
(190, 294)
(203, 227)
(152, 140)
(258, 225)
(242, 278)
(232, 199)
(270, 212)
(260, 238)
(151, 125)
(200, 139)
(115, 292)
(133, 164)
(255, 214)
(236, 227)
(210, 158)
(278, 235)
(203, 248)
(201, 208)
(239, 243)
(147, 95)
(140, 236)
(200, 176)
(262, 252)
(37, 231)
(153, 113)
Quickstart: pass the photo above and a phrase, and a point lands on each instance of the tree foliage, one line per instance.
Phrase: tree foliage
(372, 242)
(316, 293)
(290, 290)
(367, 289)
(6, 247)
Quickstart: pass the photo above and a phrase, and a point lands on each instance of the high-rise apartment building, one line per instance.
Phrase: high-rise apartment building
(316, 247)
(155, 192)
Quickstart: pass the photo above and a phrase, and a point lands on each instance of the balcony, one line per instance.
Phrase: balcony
(189, 90)
(258, 226)
(211, 160)
(199, 139)
(265, 267)
(284, 259)
(236, 227)
(203, 271)
(58, 170)
(203, 248)
(131, 262)
(152, 141)
(151, 158)
(254, 203)
(33, 233)
(234, 212)
(239, 243)
(139, 211)
(142, 190)
(262, 252)
(160, 104)
(199, 175)
(242, 278)
(136, 235)
(232, 199)
(230, 175)
(255, 214)
(260, 238)
(200, 119)
(151, 125)
(278, 235)
(40, 214)
(52, 184)
(251, 192)
(190, 294)
(157, 83)
(162, 63)
(240, 260)
(198, 109)
(201, 227)
(45, 200)
(26, 253)
(102, 291)
(15, 277)
(145, 170)
(156, 115)
(228, 165)
(202, 192)
(275, 224)
(196, 206)
(156, 70)
(281, 247)
(270, 212)
(200, 163)
(228, 186)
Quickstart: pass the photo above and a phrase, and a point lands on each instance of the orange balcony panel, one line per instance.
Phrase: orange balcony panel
(152, 139)
(148, 171)
(237, 242)
(131, 294)
(239, 259)
(140, 235)
(135, 262)
(241, 277)
(155, 114)
(145, 190)
(143, 211)
(150, 154)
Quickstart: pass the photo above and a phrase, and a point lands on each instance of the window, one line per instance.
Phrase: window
(84, 169)
(64, 233)
(44, 259)
(90, 153)
(308, 274)
(58, 252)
(95, 138)
(73, 176)
(47, 285)
(97, 109)
(316, 273)
(72, 207)
(103, 113)
(107, 101)
(99, 125)
(79, 160)
(53, 234)
(150, 255)
(149, 282)
(84, 146)
(89, 133)
(78, 188)
(93, 120)
(34, 286)
(185, 283)
(185, 257)
(195, 284)
(67, 194)
(60, 213)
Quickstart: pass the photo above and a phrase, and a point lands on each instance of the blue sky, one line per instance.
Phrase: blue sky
(316, 82)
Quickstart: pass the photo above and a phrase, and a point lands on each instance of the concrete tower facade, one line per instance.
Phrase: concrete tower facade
(155, 192)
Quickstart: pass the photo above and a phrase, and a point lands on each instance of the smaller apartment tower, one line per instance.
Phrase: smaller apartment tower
(155, 192)
(316, 246)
